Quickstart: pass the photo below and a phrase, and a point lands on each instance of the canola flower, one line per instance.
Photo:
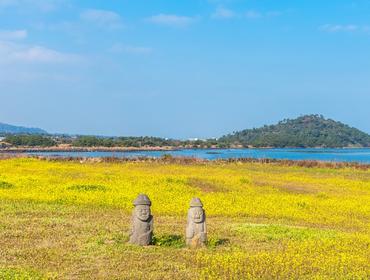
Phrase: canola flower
(269, 192)
(314, 221)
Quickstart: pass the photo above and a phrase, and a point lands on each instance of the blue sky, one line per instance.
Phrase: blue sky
(183, 69)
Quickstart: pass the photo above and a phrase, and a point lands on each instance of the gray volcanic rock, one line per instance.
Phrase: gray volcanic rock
(196, 230)
(142, 222)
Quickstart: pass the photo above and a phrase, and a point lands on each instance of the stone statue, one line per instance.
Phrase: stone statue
(196, 231)
(142, 222)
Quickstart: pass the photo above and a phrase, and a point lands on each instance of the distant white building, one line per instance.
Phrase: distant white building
(196, 139)
(2, 138)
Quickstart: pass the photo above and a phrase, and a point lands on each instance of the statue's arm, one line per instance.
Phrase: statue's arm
(189, 231)
(203, 234)
(151, 226)
(205, 224)
(131, 231)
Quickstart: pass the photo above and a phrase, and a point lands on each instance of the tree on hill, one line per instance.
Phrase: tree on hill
(305, 131)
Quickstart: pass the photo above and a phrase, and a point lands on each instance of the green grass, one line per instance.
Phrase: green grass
(87, 188)
(20, 274)
(269, 233)
(169, 240)
(6, 185)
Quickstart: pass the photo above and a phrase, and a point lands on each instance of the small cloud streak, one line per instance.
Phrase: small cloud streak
(102, 18)
(40, 54)
(40, 5)
(10, 52)
(252, 14)
(223, 13)
(332, 28)
(13, 34)
(273, 13)
(5, 3)
(171, 20)
(122, 48)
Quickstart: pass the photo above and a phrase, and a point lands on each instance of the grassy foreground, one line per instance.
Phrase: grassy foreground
(70, 220)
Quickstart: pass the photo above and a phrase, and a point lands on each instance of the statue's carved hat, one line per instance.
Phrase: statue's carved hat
(142, 199)
(195, 202)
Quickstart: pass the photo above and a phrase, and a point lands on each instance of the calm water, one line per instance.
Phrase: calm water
(358, 155)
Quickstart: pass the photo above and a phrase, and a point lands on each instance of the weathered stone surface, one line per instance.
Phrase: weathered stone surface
(142, 222)
(196, 230)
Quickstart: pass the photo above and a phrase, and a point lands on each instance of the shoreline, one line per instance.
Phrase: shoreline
(143, 149)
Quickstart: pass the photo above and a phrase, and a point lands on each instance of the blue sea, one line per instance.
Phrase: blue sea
(333, 155)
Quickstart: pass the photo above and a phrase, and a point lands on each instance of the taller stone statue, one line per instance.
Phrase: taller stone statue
(142, 222)
(196, 231)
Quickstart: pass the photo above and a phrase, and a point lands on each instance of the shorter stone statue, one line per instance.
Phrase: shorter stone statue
(142, 222)
(196, 231)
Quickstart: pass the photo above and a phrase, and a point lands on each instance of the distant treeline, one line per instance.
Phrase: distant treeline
(31, 140)
(93, 141)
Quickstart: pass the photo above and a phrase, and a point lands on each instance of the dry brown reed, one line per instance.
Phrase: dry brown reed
(168, 159)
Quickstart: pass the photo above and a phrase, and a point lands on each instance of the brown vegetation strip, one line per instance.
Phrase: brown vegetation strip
(83, 149)
(192, 160)
(205, 185)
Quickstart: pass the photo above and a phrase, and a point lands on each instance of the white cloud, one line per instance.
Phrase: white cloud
(13, 34)
(103, 18)
(40, 54)
(7, 2)
(223, 13)
(122, 48)
(273, 13)
(251, 14)
(171, 20)
(342, 28)
(10, 52)
(40, 5)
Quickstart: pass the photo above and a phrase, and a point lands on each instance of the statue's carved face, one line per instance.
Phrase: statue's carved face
(142, 212)
(198, 215)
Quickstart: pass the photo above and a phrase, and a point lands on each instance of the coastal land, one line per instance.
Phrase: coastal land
(68, 148)
(310, 131)
(67, 219)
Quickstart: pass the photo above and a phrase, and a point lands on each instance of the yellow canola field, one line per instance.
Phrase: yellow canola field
(269, 221)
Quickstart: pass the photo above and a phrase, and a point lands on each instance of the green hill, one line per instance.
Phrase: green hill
(12, 129)
(305, 131)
